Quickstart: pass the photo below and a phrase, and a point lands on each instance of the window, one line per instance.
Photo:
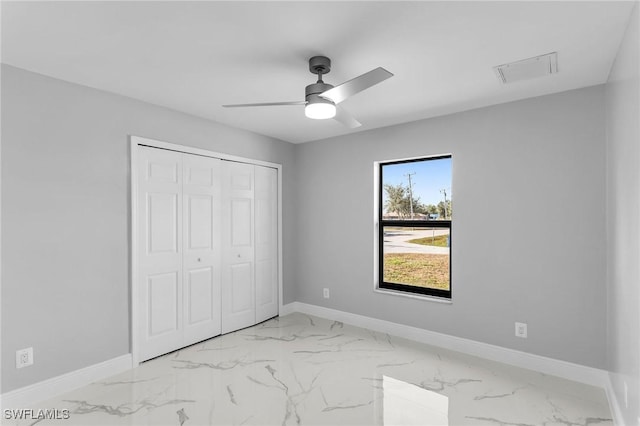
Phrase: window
(414, 253)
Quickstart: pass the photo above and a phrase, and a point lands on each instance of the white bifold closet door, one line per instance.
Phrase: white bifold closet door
(238, 258)
(250, 245)
(266, 242)
(208, 248)
(202, 209)
(179, 252)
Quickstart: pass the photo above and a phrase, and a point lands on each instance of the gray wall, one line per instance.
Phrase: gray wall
(623, 221)
(65, 177)
(528, 227)
(65, 209)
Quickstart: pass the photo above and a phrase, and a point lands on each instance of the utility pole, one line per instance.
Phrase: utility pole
(444, 191)
(410, 193)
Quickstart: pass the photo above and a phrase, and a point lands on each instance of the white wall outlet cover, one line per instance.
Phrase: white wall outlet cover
(325, 293)
(521, 330)
(24, 357)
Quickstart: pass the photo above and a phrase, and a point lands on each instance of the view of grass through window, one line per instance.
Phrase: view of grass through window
(416, 212)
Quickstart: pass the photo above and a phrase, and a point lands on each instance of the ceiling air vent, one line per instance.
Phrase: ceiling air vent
(526, 69)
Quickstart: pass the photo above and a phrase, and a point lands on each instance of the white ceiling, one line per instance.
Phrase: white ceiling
(196, 56)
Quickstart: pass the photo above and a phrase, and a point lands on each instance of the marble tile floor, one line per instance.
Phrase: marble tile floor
(304, 370)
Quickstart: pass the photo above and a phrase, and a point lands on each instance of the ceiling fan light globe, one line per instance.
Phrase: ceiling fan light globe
(320, 111)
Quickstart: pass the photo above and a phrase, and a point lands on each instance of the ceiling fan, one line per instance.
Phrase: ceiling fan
(322, 99)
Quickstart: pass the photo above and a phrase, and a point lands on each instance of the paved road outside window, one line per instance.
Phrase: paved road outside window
(398, 241)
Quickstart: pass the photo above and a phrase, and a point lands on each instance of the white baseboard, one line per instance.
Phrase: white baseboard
(614, 404)
(27, 396)
(287, 309)
(567, 370)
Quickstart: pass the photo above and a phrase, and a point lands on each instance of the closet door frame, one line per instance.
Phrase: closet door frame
(136, 143)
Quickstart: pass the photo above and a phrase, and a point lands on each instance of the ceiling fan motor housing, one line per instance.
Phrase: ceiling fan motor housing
(316, 89)
(319, 65)
(312, 94)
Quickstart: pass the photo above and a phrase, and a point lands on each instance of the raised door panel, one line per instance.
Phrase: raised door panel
(241, 226)
(264, 289)
(241, 289)
(266, 242)
(199, 216)
(163, 303)
(240, 178)
(160, 252)
(162, 223)
(162, 168)
(201, 247)
(200, 296)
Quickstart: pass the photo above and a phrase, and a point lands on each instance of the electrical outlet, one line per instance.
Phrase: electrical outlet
(325, 293)
(521, 330)
(24, 357)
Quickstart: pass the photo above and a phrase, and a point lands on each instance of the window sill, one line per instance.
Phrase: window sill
(413, 296)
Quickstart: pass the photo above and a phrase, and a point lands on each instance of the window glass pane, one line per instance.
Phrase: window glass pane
(418, 257)
(417, 190)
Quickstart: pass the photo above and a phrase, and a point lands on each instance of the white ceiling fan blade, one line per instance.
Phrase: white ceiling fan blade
(266, 104)
(345, 118)
(356, 85)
